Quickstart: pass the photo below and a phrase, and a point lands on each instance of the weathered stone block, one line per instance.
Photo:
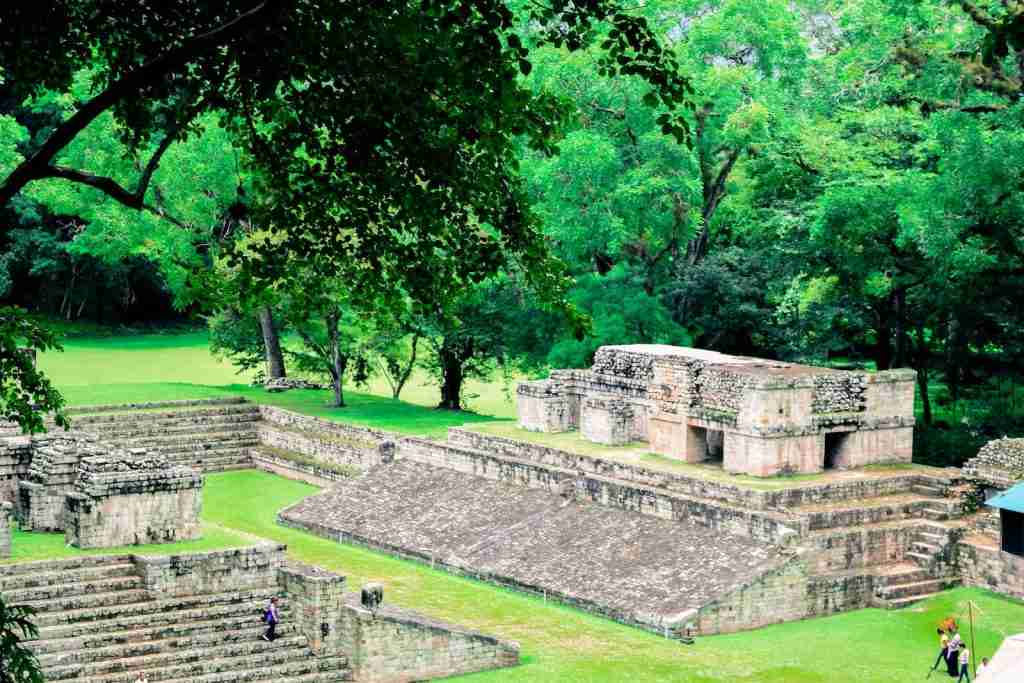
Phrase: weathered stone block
(132, 501)
(607, 420)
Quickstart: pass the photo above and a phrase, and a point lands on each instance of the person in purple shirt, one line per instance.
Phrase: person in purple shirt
(271, 618)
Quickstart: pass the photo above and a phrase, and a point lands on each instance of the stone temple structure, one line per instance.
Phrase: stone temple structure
(756, 416)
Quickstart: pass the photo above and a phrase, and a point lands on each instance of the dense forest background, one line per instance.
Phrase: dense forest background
(850, 194)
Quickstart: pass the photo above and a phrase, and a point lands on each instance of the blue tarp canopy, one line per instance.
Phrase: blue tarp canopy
(1011, 499)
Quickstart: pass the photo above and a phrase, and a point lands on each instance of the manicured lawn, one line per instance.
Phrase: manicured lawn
(562, 644)
(175, 367)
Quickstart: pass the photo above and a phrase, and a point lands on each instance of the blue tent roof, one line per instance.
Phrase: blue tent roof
(1011, 499)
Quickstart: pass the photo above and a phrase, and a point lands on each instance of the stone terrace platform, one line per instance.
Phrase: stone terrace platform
(635, 568)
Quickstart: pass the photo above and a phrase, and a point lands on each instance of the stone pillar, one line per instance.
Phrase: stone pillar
(317, 599)
(607, 420)
(5, 529)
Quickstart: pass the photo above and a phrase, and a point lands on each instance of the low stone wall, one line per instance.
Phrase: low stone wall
(5, 529)
(386, 644)
(592, 488)
(788, 592)
(984, 565)
(212, 572)
(132, 498)
(858, 547)
(314, 474)
(393, 645)
(329, 442)
(689, 485)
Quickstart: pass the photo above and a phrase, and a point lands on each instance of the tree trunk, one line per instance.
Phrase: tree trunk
(922, 375)
(338, 360)
(451, 385)
(899, 299)
(883, 343)
(271, 344)
(406, 373)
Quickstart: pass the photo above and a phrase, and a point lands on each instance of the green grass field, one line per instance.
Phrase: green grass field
(559, 644)
(174, 367)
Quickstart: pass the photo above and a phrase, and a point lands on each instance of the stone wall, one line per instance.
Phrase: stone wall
(5, 529)
(132, 498)
(253, 568)
(788, 592)
(836, 392)
(984, 565)
(386, 644)
(543, 408)
(393, 645)
(762, 526)
(999, 463)
(329, 442)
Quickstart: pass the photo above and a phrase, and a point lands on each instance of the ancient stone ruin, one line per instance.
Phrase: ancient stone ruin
(51, 475)
(756, 416)
(134, 500)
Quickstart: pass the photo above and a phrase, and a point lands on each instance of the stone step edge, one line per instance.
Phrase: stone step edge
(190, 653)
(159, 607)
(282, 654)
(325, 666)
(154, 605)
(144, 405)
(142, 636)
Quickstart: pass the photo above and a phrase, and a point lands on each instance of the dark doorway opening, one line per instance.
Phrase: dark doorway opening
(1012, 524)
(716, 446)
(833, 449)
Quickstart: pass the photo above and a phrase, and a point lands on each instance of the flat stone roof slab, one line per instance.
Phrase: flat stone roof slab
(634, 567)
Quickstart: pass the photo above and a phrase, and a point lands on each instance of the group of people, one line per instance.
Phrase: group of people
(955, 654)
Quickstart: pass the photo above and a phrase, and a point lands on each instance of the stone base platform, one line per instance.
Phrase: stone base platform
(637, 569)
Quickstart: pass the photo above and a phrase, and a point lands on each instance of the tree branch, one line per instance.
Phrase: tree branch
(36, 166)
(111, 188)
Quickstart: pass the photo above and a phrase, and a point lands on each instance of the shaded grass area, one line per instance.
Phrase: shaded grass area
(563, 644)
(142, 368)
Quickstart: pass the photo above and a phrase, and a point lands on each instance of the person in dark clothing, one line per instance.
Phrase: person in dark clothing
(271, 618)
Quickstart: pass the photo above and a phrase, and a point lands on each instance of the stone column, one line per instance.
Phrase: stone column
(317, 600)
(5, 529)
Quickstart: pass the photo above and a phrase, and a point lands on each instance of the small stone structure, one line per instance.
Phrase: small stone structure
(998, 467)
(51, 475)
(131, 498)
(760, 417)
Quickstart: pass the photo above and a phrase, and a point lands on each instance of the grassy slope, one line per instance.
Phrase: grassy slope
(564, 645)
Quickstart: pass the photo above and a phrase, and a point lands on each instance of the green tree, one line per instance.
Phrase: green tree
(17, 663)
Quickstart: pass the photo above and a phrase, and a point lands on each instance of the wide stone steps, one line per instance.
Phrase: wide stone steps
(246, 411)
(145, 639)
(69, 565)
(193, 442)
(167, 613)
(35, 595)
(258, 660)
(80, 601)
(912, 589)
(15, 582)
(854, 513)
(302, 667)
(131, 432)
(194, 653)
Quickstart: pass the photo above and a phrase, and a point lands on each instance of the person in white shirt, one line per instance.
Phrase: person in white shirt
(965, 665)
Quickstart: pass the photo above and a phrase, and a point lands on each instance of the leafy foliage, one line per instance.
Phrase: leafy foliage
(25, 394)
(17, 663)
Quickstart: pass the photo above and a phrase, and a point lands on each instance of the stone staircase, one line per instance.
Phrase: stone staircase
(98, 625)
(213, 438)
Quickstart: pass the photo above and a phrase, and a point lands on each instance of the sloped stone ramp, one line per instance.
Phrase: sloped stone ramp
(634, 568)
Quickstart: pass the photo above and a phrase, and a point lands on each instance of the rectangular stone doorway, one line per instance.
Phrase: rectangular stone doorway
(834, 443)
(716, 446)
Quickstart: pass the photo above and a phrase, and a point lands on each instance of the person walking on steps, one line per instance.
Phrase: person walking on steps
(271, 618)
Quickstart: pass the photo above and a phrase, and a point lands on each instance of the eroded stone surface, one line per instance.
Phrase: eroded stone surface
(633, 567)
